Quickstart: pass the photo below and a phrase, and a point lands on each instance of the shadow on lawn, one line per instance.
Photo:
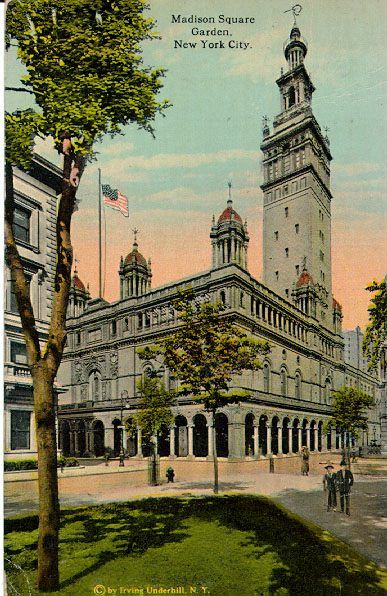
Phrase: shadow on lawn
(309, 561)
(307, 564)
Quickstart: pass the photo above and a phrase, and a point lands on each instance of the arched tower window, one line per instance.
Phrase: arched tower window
(297, 385)
(95, 390)
(266, 378)
(292, 96)
(283, 381)
(328, 388)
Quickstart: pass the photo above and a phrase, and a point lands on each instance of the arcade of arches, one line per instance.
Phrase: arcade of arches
(239, 434)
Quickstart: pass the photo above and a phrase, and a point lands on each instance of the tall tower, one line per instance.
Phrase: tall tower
(296, 194)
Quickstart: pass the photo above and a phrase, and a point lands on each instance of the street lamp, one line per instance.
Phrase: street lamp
(124, 404)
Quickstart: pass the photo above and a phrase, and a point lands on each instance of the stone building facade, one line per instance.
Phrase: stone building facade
(285, 404)
(35, 195)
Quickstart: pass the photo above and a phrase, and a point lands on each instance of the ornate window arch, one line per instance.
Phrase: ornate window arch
(327, 390)
(266, 377)
(95, 386)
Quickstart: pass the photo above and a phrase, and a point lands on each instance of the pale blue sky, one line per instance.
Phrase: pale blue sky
(213, 132)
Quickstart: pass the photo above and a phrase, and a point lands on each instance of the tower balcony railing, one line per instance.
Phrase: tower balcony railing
(290, 40)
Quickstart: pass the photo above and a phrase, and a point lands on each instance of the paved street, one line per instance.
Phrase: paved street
(365, 529)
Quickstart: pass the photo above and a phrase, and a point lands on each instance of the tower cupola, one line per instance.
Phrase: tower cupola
(295, 48)
(135, 273)
(78, 295)
(229, 237)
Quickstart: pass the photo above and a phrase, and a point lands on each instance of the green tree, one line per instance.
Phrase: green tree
(349, 411)
(154, 411)
(207, 349)
(86, 75)
(376, 331)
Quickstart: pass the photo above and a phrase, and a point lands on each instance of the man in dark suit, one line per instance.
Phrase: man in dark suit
(344, 482)
(329, 482)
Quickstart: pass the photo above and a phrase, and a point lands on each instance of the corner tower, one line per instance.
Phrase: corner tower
(229, 238)
(296, 187)
(135, 273)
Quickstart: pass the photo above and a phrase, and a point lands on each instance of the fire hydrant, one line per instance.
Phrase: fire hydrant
(170, 474)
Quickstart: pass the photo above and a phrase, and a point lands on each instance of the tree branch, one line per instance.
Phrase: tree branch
(19, 90)
(17, 274)
(72, 171)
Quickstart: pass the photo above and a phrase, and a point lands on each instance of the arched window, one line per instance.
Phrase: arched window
(266, 378)
(223, 297)
(148, 371)
(292, 96)
(241, 300)
(328, 388)
(283, 381)
(95, 392)
(297, 385)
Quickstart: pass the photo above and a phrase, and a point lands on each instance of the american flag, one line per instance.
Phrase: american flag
(113, 198)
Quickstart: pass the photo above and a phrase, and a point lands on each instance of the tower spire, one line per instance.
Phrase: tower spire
(229, 202)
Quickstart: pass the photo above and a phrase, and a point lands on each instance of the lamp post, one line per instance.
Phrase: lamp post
(124, 404)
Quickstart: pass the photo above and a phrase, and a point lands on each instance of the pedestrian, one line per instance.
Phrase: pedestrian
(304, 461)
(329, 483)
(344, 483)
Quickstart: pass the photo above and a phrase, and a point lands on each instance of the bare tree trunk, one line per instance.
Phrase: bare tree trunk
(215, 456)
(44, 398)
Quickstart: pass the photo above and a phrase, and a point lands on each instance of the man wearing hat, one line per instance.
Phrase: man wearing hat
(344, 482)
(329, 482)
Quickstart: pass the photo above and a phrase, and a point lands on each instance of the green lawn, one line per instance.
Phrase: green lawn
(228, 545)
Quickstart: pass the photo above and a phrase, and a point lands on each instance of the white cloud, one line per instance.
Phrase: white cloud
(353, 169)
(176, 160)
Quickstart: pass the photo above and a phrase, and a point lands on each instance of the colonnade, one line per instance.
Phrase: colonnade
(250, 434)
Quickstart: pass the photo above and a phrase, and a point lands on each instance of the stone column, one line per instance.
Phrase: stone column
(172, 454)
(89, 434)
(315, 430)
(210, 441)
(279, 439)
(236, 443)
(308, 437)
(324, 441)
(256, 441)
(139, 442)
(72, 446)
(76, 446)
(268, 439)
(109, 437)
(299, 438)
(190, 441)
(290, 439)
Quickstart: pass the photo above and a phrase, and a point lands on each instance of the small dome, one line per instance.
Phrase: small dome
(135, 256)
(295, 40)
(77, 283)
(229, 214)
(305, 279)
(336, 305)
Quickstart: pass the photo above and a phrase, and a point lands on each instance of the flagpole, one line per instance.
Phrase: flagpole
(100, 233)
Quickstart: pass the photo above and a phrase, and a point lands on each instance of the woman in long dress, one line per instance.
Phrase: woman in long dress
(305, 461)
